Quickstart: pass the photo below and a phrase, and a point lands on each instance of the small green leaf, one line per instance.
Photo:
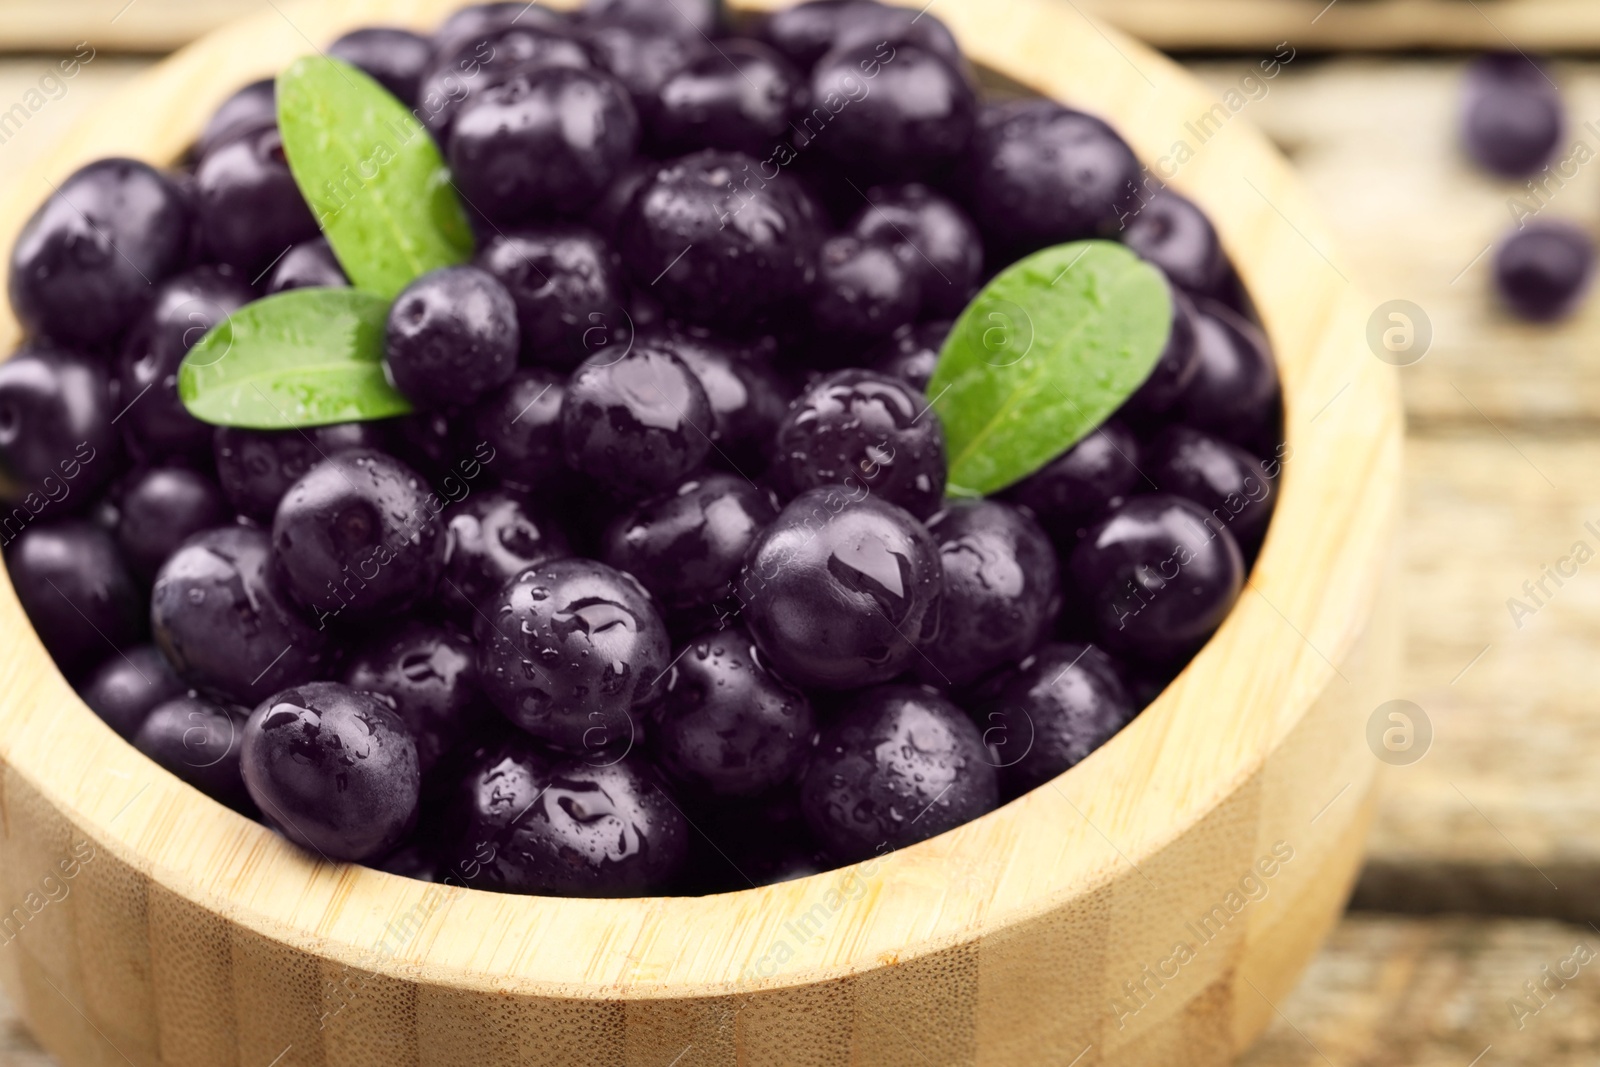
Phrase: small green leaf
(306, 357)
(1049, 348)
(372, 175)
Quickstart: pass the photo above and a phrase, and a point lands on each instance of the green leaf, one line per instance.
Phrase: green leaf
(306, 357)
(372, 175)
(1048, 349)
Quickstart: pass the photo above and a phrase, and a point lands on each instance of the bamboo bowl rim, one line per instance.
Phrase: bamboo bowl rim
(1180, 759)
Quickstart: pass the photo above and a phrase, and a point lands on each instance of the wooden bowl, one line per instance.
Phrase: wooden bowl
(1151, 905)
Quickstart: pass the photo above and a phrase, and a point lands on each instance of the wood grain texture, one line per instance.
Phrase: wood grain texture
(116, 25)
(191, 936)
(1355, 25)
(1439, 992)
(1500, 816)
(1181, 25)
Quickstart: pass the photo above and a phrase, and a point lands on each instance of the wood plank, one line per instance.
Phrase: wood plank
(1501, 814)
(1179, 25)
(1388, 991)
(1355, 25)
(116, 25)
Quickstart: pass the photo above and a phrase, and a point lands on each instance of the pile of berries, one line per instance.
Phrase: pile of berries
(659, 590)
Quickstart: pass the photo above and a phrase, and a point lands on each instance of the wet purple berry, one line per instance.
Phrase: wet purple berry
(251, 211)
(1078, 486)
(58, 442)
(430, 674)
(77, 592)
(739, 97)
(840, 589)
(748, 395)
(568, 289)
(935, 238)
(1222, 478)
(1234, 392)
(545, 142)
(522, 42)
(866, 432)
(536, 824)
(159, 508)
(1176, 236)
(635, 425)
(863, 289)
(182, 311)
(1043, 174)
(687, 545)
(719, 242)
(333, 769)
(491, 537)
(1055, 708)
(86, 262)
(520, 423)
(898, 109)
(1002, 591)
(358, 536)
(568, 649)
(452, 335)
(896, 765)
(222, 617)
(1155, 578)
(727, 725)
(640, 55)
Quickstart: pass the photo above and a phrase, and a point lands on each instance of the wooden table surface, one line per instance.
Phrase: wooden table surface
(1225, 25)
(1501, 818)
(1503, 463)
